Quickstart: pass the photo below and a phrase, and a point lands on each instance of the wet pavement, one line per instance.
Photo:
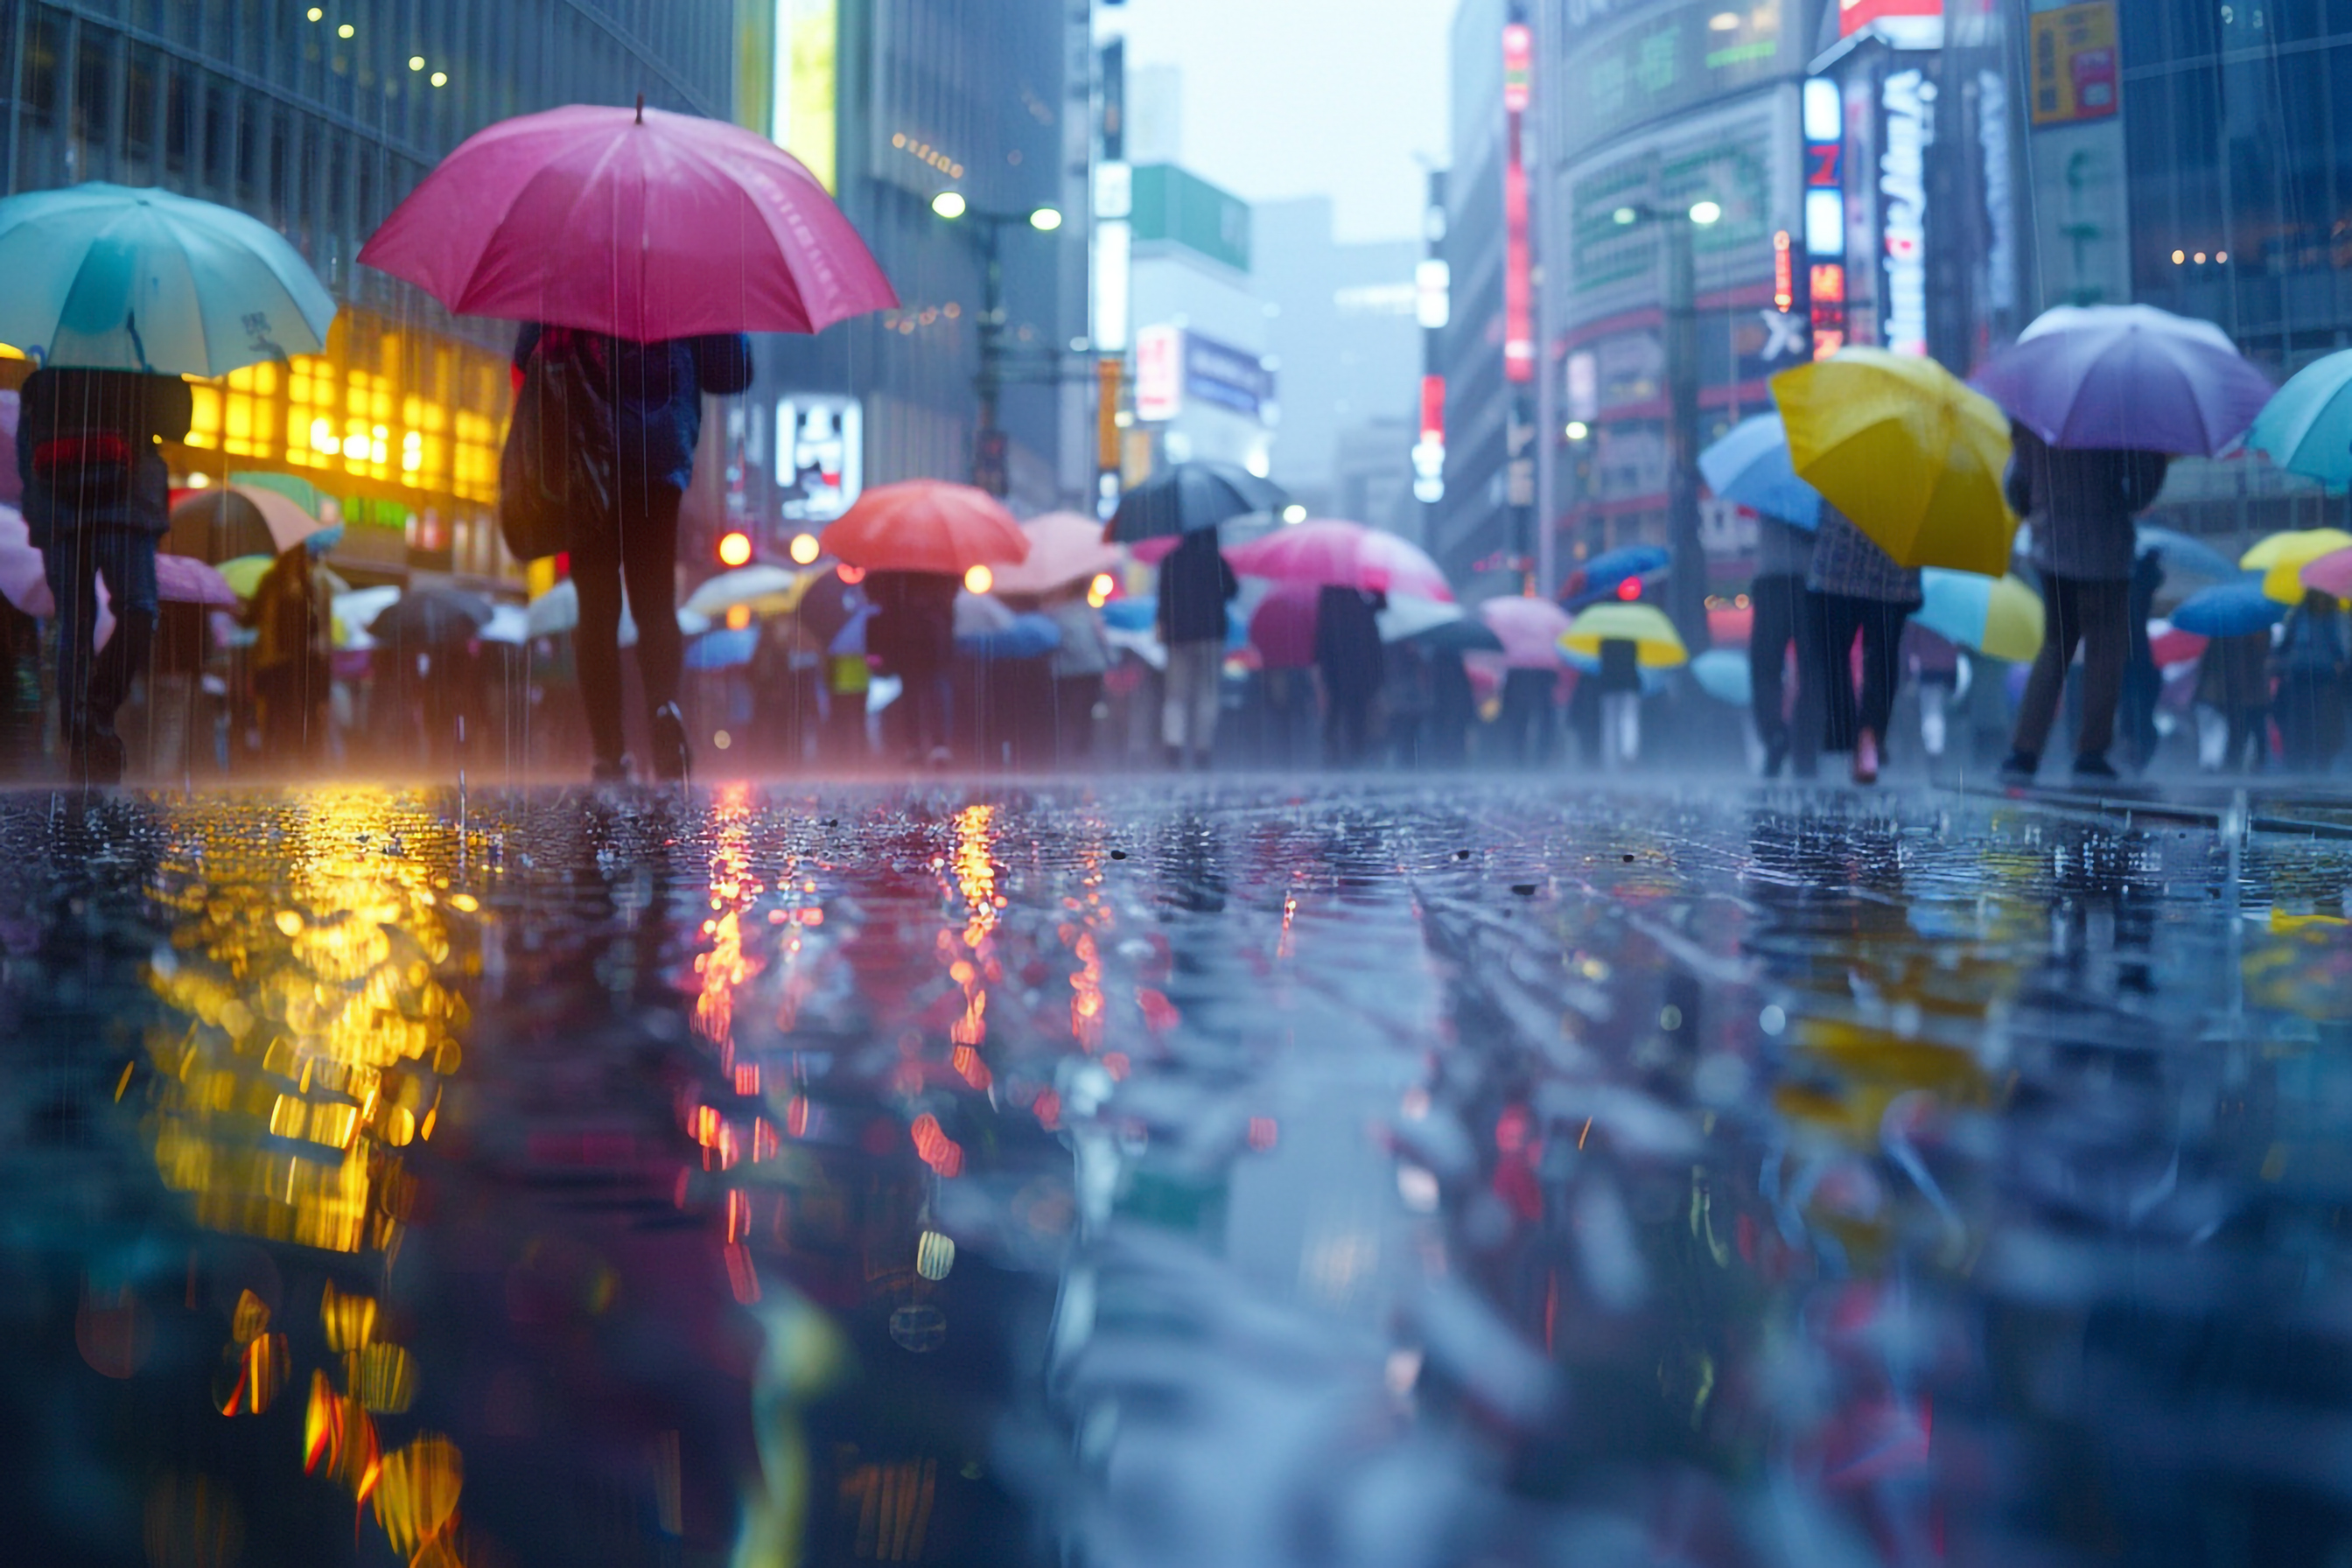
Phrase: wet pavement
(1145, 1176)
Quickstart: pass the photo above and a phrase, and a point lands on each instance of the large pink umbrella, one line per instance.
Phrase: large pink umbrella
(1530, 630)
(1282, 627)
(644, 225)
(1064, 548)
(2330, 574)
(1328, 553)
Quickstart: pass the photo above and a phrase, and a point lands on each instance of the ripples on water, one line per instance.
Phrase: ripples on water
(1137, 1177)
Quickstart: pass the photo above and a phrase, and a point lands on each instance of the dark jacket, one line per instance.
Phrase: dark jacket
(913, 628)
(657, 390)
(2312, 647)
(1347, 641)
(1195, 584)
(2081, 503)
(69, 412)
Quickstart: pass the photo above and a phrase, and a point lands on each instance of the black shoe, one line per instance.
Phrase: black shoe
(2018, 768)
(672, 756)
(614, 770)
(1775, 757)
(2096, 767)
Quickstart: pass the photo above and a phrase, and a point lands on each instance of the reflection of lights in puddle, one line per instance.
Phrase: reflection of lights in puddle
(318, 1039)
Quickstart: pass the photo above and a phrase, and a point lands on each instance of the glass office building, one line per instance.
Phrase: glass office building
(318, 118)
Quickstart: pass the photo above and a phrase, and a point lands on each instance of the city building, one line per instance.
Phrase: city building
(1205, 383)
(318, 119)
(1469, 527)
(1346, 340)
(898, 104)
(1670, 145)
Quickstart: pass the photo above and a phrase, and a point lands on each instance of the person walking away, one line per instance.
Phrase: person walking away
(2311, 661)
(2233, 678)
(1618, 681)
(1855, 589)
(1453, 708)
(1078, 667)
(655, 392)
(1934, 664)
(1195, 586)
(1784, 554)
(1527, 715)
(1349, 665)
(1404, 698)
(913, 634)
(2143, 686)
(175, 670)
(292, 617)
(2081, 504)
(96, 498)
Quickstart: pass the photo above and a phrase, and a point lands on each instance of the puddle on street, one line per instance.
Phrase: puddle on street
(1141, 1176)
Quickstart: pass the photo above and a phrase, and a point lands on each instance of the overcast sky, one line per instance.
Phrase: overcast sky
(1293, 97)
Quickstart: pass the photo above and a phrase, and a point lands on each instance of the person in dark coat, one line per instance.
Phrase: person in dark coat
(1784, 554)
(2082, 504)
(1853, 589)
(2312, 659)
(2233, 678)
(1349, 664)
(655, 392)
(1453, 708)
(1195, 586)
(913, 634)
(2143, 682)
(96, 498)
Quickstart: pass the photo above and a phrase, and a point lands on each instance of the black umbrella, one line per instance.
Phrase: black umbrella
(1189, 497)
(217, 526)
(431, 617)
(826, 606)
(1468, 635)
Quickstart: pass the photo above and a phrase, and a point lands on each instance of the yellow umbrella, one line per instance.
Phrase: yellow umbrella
(1905, 449)
(2281, 557)
(244, 574)
(1655, 642)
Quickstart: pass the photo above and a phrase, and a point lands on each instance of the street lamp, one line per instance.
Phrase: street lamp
(1687, 586)
(988, 442)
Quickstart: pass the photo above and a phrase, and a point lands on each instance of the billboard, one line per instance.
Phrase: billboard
(1158, 372)
(1172, 205)
(1228, 377)
(806, 36)
(1663, 62)
(820, 456)
(2074, 63)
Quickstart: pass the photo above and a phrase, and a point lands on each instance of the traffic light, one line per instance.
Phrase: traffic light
(734, 547)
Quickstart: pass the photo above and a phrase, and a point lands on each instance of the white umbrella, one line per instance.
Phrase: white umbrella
(557, 612)
(1409, 616)
(741, 586)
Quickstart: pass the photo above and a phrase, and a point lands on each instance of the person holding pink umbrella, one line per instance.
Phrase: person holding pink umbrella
(645, 245)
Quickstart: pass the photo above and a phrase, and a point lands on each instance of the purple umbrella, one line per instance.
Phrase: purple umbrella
(2128, 376)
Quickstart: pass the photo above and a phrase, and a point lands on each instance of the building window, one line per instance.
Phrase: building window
(216, 123)
(44, 40)
(179, 121)
(93, 108)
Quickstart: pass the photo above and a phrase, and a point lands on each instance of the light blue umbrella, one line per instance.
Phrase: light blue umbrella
(1750, 468)
(729, 647)
(2228, 609)
(2307, 427)
(2185, 555)
(112, 277)
(1722, 673)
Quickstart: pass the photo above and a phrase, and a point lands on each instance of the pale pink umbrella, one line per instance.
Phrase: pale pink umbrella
(1064, 548)
(179, 580)
(1530, 630)
(2330, 574)
(646, 226)
(1330, 554)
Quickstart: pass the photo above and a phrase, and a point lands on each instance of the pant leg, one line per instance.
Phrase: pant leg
(1835, 620)
(1882, 663)
(2106, 612)
(649, 564)
(1209, 663)
(1176, 695)
(596, 641)
(2047, 683)
(1775, 598)
(1808, 728)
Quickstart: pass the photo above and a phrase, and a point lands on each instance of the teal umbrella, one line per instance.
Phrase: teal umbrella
(112, 277)
(2307, 427)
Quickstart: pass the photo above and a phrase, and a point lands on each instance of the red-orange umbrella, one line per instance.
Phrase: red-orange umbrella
(926, 525)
